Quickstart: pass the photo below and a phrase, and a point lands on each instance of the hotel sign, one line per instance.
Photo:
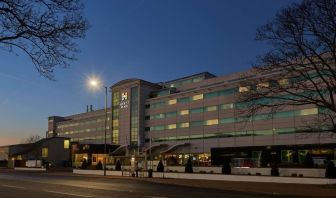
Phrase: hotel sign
(124, 100)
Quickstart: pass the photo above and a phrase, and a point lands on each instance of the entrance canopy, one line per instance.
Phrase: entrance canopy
(174, 147)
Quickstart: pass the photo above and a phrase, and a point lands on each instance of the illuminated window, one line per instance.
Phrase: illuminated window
(197, 97)
(115, 136)
(263, 85)
(171, 126)
(211, 108)
(115, 113)
(66, 144)
(211, 122)
(183, 125)
(44, 152)
(171, 102)
(283, 82)
(115, 123)
(115, 100)
(304, 112)
(184, 112)
(244, 89)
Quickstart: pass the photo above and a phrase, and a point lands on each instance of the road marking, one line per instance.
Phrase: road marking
(18, 187)
(70, 194)
(154, 197)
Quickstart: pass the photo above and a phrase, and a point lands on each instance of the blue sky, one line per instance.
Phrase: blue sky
(154, 40)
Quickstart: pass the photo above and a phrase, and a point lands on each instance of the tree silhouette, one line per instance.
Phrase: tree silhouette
(300, 67)
(45, 30)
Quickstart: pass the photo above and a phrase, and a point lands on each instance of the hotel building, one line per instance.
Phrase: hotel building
(198, 116)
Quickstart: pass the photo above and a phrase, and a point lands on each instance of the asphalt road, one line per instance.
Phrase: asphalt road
(50, 185)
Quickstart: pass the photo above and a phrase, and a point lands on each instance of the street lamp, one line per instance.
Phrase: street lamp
(95, 83)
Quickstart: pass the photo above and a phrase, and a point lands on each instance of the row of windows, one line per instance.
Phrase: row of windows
(83, 130)
(209, 95)
(274, 131)
(61, 126)
(283, 114)
(186, 81)
(115, 98)
(90, 138)
(190, 111)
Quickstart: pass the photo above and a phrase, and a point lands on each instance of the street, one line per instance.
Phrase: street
(35, 184)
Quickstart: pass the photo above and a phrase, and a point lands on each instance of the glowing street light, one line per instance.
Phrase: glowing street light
(95, 84)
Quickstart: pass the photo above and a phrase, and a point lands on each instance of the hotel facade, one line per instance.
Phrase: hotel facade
(198, 116)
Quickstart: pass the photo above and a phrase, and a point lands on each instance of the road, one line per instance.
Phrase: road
(50, 185)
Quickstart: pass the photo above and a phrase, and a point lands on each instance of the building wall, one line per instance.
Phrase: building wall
(85, 127)
(207, 115)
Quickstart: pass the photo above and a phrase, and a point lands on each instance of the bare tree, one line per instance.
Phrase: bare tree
(300, 67)
(45, 30)
(31, 139)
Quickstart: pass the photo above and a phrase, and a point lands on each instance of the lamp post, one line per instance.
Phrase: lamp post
(95, 84)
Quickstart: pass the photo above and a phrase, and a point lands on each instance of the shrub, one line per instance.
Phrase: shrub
(308, 161)
(226, 168)
(160, 167)
(330, 170)
(265, 158)
(189, 166)
(118, 166)
(84, 164)
(275, 170)
(99, 166)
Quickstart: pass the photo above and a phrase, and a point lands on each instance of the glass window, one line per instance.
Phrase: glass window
(227, 120)
(183, 125)
(244, 89)
(115, 100)
(66, 144)
(211, 108)
(197, 110)
(263, 132)
(184, 112)
(171, 102)
(304, 112)
(115, 123)
(115, 113)
(45, 152)
(263, 117)
(183, 100)
(302, 155)
(286, 156)
(211, 122)
(171, 126)
(171, 114)
(157, 116)
(210, 95)
(227, 92)
(227, 106)
(197, 97)
(283, 82)
(197, 79)
(196, 123)
(263, 85)
(157, 128)
(283, 114)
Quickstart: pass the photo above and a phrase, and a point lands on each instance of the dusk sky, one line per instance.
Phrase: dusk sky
(154, 40)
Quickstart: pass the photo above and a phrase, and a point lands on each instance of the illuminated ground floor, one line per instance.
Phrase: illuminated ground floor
(314, 155)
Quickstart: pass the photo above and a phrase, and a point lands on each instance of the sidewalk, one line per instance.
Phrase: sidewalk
(301, 190)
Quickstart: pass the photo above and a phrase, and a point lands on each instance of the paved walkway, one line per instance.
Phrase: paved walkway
(300, 190)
